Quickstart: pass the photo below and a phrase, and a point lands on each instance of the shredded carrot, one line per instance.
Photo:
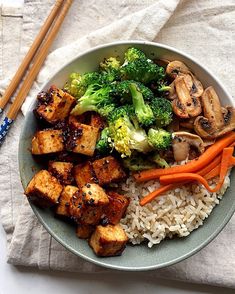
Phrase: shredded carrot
(208, 172)
(182, 177)
(224, 166)
(192, 166)
(158, 192)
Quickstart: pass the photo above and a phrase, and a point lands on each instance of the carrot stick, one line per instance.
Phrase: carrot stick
(151, 196)
(210, 166)
(182, 177)
(192, 166)
(213, 168)
(216, 170)
(224, 166)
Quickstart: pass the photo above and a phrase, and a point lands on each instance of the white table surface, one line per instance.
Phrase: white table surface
(27, 280)
(31, 281)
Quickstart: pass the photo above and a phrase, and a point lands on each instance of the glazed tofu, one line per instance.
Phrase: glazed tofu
(94, 195)
(116, 208)
(57, 107)
(44, 189)
(109, 240)
(62, 208)
(108, 170)
(94, 200)
(84, 139)
(62, 171)
(75, 206)
(97, 121)
(84, 231)
(84, 173)
(47, 141)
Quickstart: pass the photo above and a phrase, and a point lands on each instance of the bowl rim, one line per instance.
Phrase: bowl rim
(67, 246)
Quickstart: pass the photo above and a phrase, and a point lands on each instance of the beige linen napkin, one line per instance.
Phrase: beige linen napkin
(197, 27)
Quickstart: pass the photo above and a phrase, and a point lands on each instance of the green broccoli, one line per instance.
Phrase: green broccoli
(161, 162)
(142, 70)
(125, 132)
(143, 111)
(159, 139)
(77, 83)
(103, 145)
(109, 70)
(110, 62)
(133, 54)
(96, 98)
(122, 91)
(137, 162)
(139, 68)
(162, 110)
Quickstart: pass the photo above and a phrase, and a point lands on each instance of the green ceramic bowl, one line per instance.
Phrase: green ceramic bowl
(134, 258)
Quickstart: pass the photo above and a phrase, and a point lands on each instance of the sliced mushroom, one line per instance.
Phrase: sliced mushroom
(188, 123)
(193, 84)
(184, 105)
(176, 67)
(162, 62)
(217, 120)
(229, 121)
(213, 119)
(182, 143)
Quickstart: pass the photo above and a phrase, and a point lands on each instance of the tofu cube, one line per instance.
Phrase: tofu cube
(94, 195)
(109, 240)
(47, 141)
(84, 173)
(44, 189)
(82, 139)
(75, 206)
(108, 170)
(94, 200)
(62, 171)
(97, 121)
(116, 208)
(62, 208)
(58, 107)
(84, 231)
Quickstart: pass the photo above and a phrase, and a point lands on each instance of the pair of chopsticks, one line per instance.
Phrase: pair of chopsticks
(36, 54)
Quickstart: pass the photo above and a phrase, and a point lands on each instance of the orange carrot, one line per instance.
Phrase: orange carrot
(224, 166)
(210, 166)
(209, 172)
(192, 166)
(151, 196)
(182, 177)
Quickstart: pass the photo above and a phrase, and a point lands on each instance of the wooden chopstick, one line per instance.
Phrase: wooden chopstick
(33, 71)
(29, 56)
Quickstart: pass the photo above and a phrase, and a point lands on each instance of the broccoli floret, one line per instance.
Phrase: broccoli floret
(77, 83)
(96, 98)
(137, 163)
(159, 160)
(103, 146)
(162, 110)
(105, 110)
(159, 139)
(126, 133)
(109, 69)
(133, 54)
(142, 110)
(110, 62)
(142, 70)
(122, 91)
